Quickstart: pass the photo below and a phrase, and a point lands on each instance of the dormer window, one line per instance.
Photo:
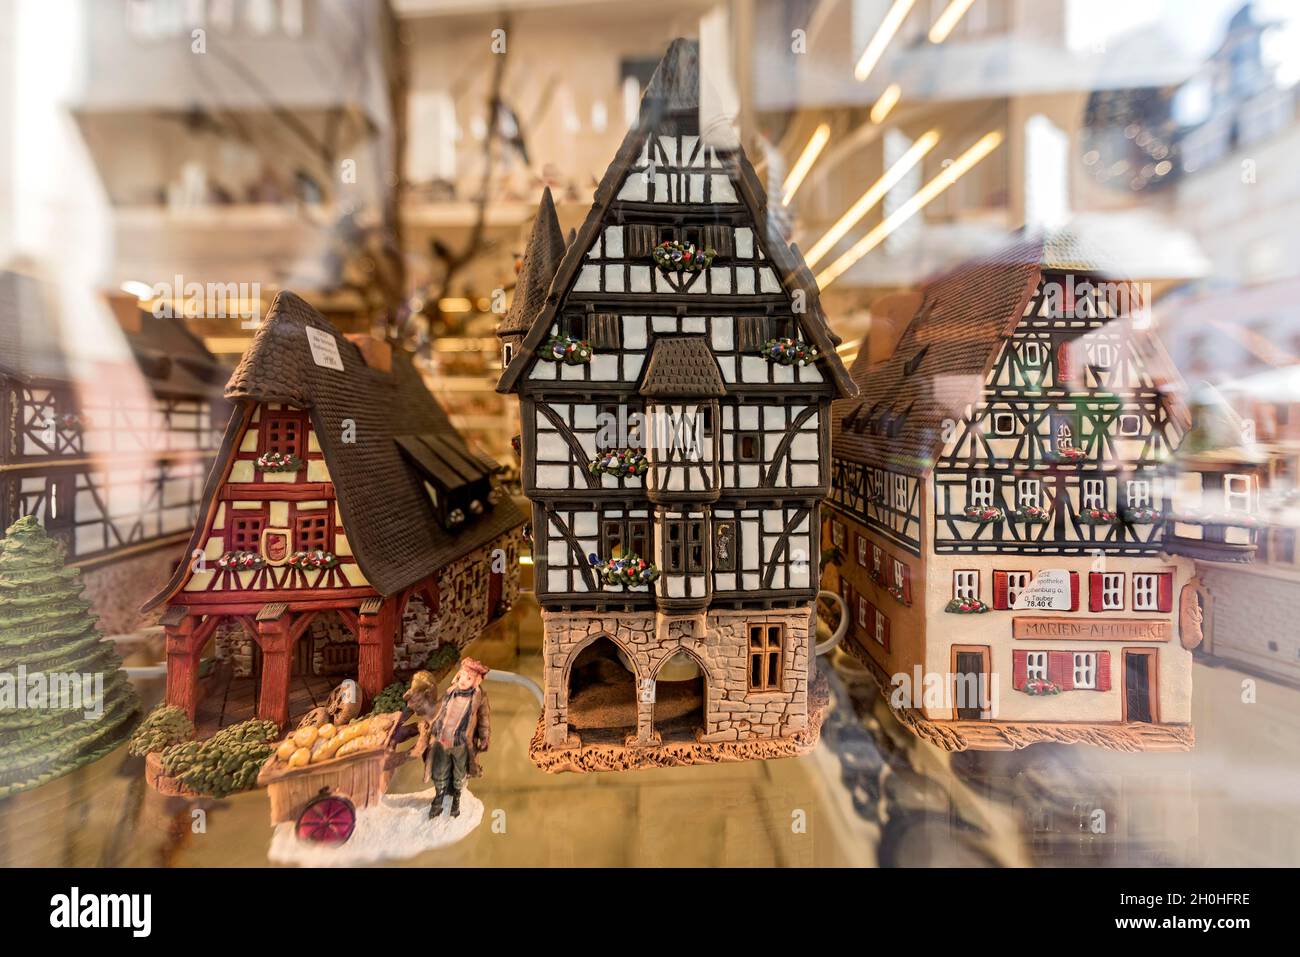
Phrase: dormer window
(507, 353)
(458, 480)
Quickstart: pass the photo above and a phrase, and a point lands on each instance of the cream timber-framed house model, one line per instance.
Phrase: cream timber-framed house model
(346, 530)
(674, 372)
(1004, 496)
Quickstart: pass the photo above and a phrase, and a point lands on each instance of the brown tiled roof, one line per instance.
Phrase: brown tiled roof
(682, 367)
(674, 88)
(939, 364)
(542, 257)
(391, 524)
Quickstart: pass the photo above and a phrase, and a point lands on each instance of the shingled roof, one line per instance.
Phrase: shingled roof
(542, 257)
(938, 367)
(682, 367)
(391, 524)
(675, 89)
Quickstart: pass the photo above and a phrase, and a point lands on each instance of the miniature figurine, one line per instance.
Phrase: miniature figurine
(1002, 503)
(453, 737)
(674, 370)
(347, 529)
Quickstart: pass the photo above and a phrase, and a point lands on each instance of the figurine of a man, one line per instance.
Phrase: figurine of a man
(455, 735)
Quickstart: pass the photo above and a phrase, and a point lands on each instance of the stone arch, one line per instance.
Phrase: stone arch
(680, 710)
(599, 693)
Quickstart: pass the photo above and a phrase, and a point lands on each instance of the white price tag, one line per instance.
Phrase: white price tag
(324, 349)
(1049, 590)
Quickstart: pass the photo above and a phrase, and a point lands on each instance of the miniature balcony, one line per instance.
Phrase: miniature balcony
(1211, 538)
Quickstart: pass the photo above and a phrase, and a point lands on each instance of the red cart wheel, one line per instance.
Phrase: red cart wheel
(327, 819)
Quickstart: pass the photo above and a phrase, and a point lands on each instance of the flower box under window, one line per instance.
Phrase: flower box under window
(1098, 516)
(628, 571)
(1032, 514)
(966, 606)
(673, 255)
(790, 352)
(567, 349)
(622, 463)
(314, 560)
(240, 561)
(983, 513)
(278, 462)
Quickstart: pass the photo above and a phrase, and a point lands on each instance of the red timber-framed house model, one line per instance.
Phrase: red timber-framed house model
(674, 371)
(110, 461)
(1003, 504)
(346, 529)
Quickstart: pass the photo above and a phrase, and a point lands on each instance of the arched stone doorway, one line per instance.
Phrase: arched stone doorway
(681, 693)
(601, 695)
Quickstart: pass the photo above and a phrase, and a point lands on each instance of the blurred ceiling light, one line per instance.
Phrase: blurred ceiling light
(874, 194)
(454, 304)
(887, 101)
(134, 287)
(959, 168)
(950, 17)
(816, 143)
(884, 33)
(631, 100)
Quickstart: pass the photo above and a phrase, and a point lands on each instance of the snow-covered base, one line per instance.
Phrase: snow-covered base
(397, 827)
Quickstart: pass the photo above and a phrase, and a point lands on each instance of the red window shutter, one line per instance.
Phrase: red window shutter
(1074, 591)
(1019, 670)
(1095, 587)
(886, 631)
(1103, 671)
(907, 584)
(1165, 591)
(1000, 590)
(1060, 669)
(1063, 362)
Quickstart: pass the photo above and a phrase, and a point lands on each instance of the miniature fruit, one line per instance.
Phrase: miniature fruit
(305, 737)
(286, 749)
(300, 758)
(326, 730)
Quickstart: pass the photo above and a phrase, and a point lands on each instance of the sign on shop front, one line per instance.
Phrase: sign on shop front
(1107, 629)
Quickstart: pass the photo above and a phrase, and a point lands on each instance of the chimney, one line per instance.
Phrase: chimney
(127, 311)
(377, 353)
(889, 317)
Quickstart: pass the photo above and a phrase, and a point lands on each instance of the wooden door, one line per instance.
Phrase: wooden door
(1139, 686)
(970, 668)
(496, 582)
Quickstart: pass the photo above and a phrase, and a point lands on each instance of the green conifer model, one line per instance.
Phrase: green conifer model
(49, 641)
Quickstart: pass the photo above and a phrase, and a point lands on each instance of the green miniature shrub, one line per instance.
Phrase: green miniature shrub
(442, 658)
(226, 762)
(390, 699)
(162, 727)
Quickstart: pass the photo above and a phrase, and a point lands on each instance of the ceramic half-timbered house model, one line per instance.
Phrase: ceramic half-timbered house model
(346, 528)
(109, 458)
(1001, 490)
(674, 379)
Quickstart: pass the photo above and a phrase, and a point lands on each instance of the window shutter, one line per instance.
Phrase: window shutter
(907, 584)
(1095, 588)
(1019, 669)
(602, 330)
(886, 631)
(1165, 592)
(1060, 669)
(1000, 590)
(750, 333)
(1074, 591)
(719, 239)
(1103, 671)
(1063, 362)
(640, 240)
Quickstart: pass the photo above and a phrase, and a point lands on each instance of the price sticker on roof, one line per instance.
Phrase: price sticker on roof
(324, 349)
(1049, 590)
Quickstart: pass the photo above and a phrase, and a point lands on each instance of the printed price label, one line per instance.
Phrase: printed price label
(324, 349)
(1050, 589)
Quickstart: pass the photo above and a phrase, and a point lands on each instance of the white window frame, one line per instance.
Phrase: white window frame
(1138, 493)
(1031, 353)
(1092, 493)
(981, 491)
(900, 572)
(507, 353)
(1029, 492)
(1035, 665)
(1130, 417)
(1104, 355)
(877, 557)
(837, 533)
(900, 492)
(862, 612)
(879, 475)
(1112, 591)
(1146, 591)
(965, 584)
(1241, 494)
(1017, 582)
(1004, 423)
(1085, 670)
(880, 628)
(862, 551)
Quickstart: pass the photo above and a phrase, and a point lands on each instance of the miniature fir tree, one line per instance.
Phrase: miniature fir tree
(64, 699)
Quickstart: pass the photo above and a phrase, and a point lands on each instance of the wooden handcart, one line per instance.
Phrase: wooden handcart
(323, 799)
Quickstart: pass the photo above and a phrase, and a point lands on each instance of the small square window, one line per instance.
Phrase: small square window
(1085, 670)
(1139, 493)
(1036, 665)
(1004, 423)
(1094, 493)
(1112, 591)
(1031, 353)
(1145, 592)
(749, 446)
(1017, 582)
(1029, 493)
(1104, 355)
(965, 585)
(862, 551)
(981, 491)
(1130, 424)
(881, 624)
(900, 492)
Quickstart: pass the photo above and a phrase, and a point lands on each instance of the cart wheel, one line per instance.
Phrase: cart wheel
(327, 819)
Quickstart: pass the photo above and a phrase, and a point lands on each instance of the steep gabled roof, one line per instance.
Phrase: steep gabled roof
(939, 365)
(682, 367)
(391, 524)
(542, 258)
(675, 89)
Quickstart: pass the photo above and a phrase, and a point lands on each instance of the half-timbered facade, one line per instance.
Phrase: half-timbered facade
(342, 499)
(1002, 490)
(114, 473)
(674, 378)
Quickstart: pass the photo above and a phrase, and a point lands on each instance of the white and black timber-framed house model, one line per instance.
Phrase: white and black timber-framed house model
(1003, 496)
(674, 372)
(346, 530)
(110, 462)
